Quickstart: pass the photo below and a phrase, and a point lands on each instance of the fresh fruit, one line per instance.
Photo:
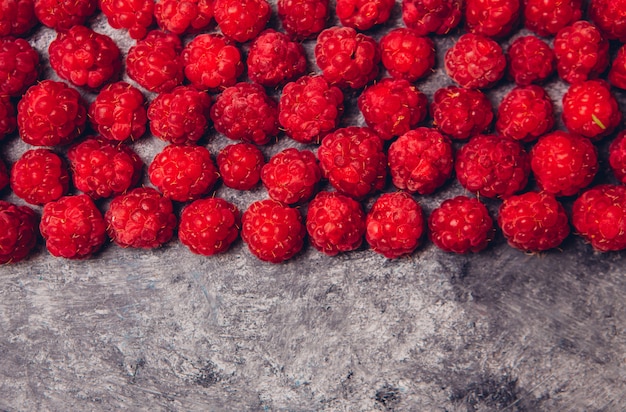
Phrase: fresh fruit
(180, 17)
(240, 165)
(525, 113)
(19, 68)
(63, 15)
(39, 176)
(531, 60)
(291, 176)
(4, 175)
(209, 226)
(610, 17)
(363, 14)
(8, 118)
(617, 156)
(432, 16)
(547, 17)
(461, 113)
(617, 73)
(475, 61)
(135, 16)
(17, 17)
(274, 59)
(581, 52)
(492, 18)
(302, 19)
(241, 20)
(211, 62)
(19, 232)
(406, 55)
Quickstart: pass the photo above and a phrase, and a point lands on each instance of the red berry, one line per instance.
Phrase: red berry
(525, 113)
(19, 68)
(531, 60)
(179, 17)
(135, 16)
(617, 156)
(547, 17)
(581, 52)
(302, 19)
(617, 74)
(475, 61)
(17, 17)
(274, 59)
(19, 232)
(432, 16)
(8, 118)
(291, 176)
(40, 176)
(240, 165)
(461, 113)
(363, 14)
(241, 20)
(590, 109)
(610, 17)
(63, 15)
(212, 62)
(492, 18)
(4, 175)
(406, 55)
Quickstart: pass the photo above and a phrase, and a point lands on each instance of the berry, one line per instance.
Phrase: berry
(525, 113)
(302, 19)
(240, 165)
(531, 60)
(135, 16)
(274, 59)
(19, 68)
(363, 14)
(547, 17)
(141, 218)
(63, 15)
(273, 232)
(420, 160)
(209, 226)
(179, 17)
(8, 119)
(617, 73)
(475, 61)
(17, 17)
(406, 55)
(590, 109)
(461, 225)
(461, 113)
(4, 175)
(432, 16)
(212, 62)
(617, 156)
(241, 20)
(581, 52)
(72, 227)
(492, 18)
(40, 176)
(19, 232)
(394, 225)
(610, 17)
(291, 176)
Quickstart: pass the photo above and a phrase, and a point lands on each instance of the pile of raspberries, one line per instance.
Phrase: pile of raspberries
(341, 85)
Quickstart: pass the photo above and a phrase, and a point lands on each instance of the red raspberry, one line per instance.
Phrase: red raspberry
(63, 15)
(102, 169)
(347, 58)
(492, 166)
(19, 68)
(155, 62)
(393, 107)
(492, 18)
(274, 59)
(475, 61)
(179, 17)
(303, 18)
(353, 160)
(610, 17)
(274, 232)
(617, 156)
(525, 113)
(73, 227)
(406, 55)
(4, 175)
(135, 16)
(461, 225)
(394, 225)
(291, 176)
(209, 226)
(581, 52)
(617, 74)
(40, 176)
(590, 109)
(180, 116)
(17, 17)
(461, 113)
(563, 163)
(212, 62)
(141, 218)
(245, 112)
(183, 173)
(8, 119)
(547, 17)
(309, 108)
(432, 16)
(335, 223)
(363, 14)
(241, 20)
(119, 113)
(531, 60)
(420, 160)
(240, 165)
(19, 232)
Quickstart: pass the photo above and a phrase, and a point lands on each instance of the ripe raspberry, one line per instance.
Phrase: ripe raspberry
(274, 232)
(525, 113)
(461, 225)
(394, 225)
(531, 60)
(245, 112)
(406, 55)
(563, 163)
(309, 109)
(475, 61)
(141, 218)
(492, 18)
(609, 17)
(363, 14)
(212, 62)
(241, 20)
(335, 223)
(180, 116)
(461, 113)
(420, 160)
(291, 176)
(347, 58)
(617, 156)
(547, 17)
(40, 176)
(432, 16)
(63, 15)
(240, 165)
(179, 17)
(183, 173)
(51, 113)
(353, 160)
(393, 107)
(581, 52)
(4, 175)
(8, 119)
(302, 19)
(19, 232)
(72, 227)
(17, 17)
(617, 73)
(19, 68)
(119, 113)
(135, 16)
(102, 169)
(209, 226)
(155, 62)
(274, 59)
(590, 109)
(492, 166)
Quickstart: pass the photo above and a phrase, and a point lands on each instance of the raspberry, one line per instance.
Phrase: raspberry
(274, 59)
(119, 113)
(406, 55)
(102, 169)
(240, 165)
(617, 156)
(394, 225)
(461, 225)
(274, 232)
(8, 119)
(617, 73)
(209, 226)
(19, 68)
(4, 175)
(183, 173)
(581, 52)
(141, 218)
(461, 113)
(51, 113)
(353, 160)
(291, 176)
(475, 61)
(590, 109)
(432, 16)
(392, 107)
(19, 232)
(72, 227)
(309, 109)
(347, 58)
(547, 17)
(245, 112)
(420, 160)
(181, 16)
(492, 166)
(563, 163)
(63, 15)
(531, 60)
(303, 18)
(212, 62)
(335, 223)
(525, 113)
(241, 20)
(492, 18)
(135, 16)
(155, 62)
(609, 17)
(363, 14)
(180, 116)
(40, 176)
(84, 57)
(17, 17)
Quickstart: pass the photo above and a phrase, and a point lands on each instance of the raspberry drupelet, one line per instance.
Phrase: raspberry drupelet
(179, 17)
(432, 16)
(581, 52)
(274, 59)
(492, 18)
(63, 15)
(241, 20)
(303, 19)
(291, 176)
(475, 61)
(525, 113)
(590, 109)
(8, 117)
(406, 55)
(240, 165)
(531, 60)
(4, 175)
(119, 113)
(211, 62)
(40, 176)
(617, 156)
(610, 17)
(461, 113)
(209, 226)
(19, 232)
(134, 16)
(363, 14)
(17, 17)
(617, 73)
(547, 17)
(20, 66)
